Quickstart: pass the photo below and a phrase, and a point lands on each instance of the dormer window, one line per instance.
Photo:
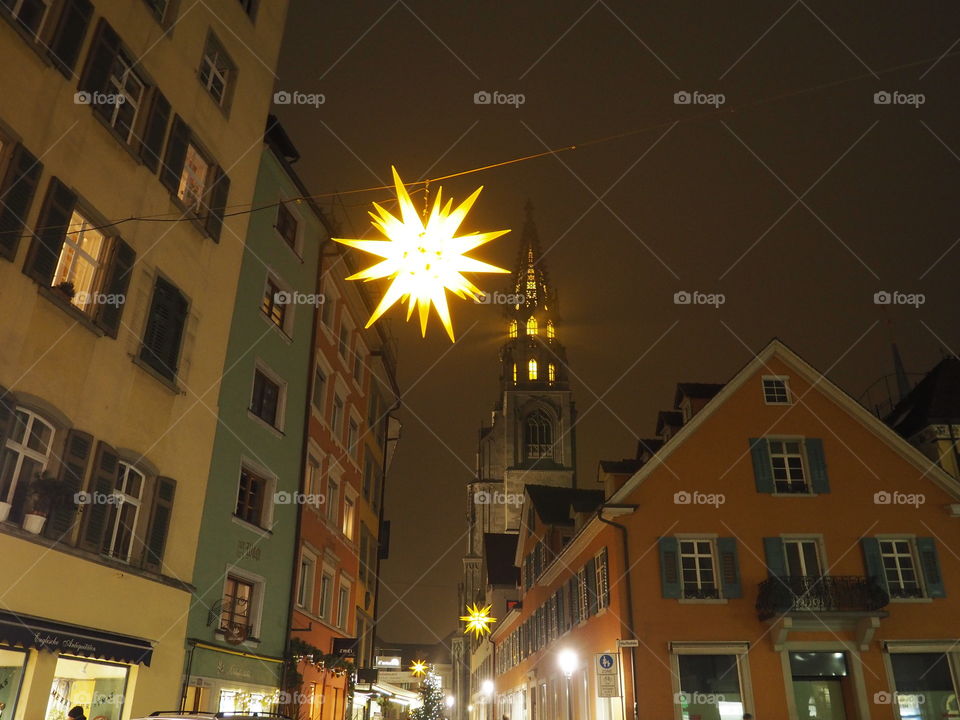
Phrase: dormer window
(513, 328)
(775, 390)
(531, 326)
(532, 369)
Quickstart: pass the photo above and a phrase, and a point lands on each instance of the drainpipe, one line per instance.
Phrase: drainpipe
(628, 591)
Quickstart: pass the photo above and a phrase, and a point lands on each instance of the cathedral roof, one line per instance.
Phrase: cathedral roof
(935, 399)
(554, 504)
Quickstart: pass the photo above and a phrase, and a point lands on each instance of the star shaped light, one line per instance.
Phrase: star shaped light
(423, 260)
(478, 620)
(419, 668)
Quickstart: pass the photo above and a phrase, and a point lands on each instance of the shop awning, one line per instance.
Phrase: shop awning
(32, 632)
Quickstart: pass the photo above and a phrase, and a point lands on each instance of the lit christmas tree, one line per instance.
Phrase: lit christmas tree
(431, 699)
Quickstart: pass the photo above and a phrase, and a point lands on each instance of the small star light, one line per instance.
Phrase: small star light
(423, 260)
(419, 668)
(478, 620)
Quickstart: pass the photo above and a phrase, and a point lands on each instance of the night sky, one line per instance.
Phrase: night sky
(798, 199)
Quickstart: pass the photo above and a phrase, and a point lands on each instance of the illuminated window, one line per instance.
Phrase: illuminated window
(531, 326)
(532, 369)
(552, 372)
(514, 372)
(513, 328)
(551, 331)
(81, 259)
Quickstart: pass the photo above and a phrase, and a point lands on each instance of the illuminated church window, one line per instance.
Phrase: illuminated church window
(531, 326)
(513, 328)
(551, 331)
(532, 369)
(514, 372)
(552, 372)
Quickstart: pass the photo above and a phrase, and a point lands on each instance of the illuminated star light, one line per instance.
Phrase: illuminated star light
(478, 620)
(419, 668)
(423, 261)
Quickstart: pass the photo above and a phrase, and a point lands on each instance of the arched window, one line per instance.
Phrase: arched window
(531, 326)
(513, 328)
(25, 456)
(552, 372)
(532, 369)
(538, 436)
(514, 373)
(551, 331)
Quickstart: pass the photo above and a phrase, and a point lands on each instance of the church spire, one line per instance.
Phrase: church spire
(530, 276)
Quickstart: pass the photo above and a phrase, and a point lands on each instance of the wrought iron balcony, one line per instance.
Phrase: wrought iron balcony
(815, 594)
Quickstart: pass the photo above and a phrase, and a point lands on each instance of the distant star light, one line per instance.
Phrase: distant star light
(423, 260)
(478, 620)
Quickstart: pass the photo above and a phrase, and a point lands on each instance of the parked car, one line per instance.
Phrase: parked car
(181, 715)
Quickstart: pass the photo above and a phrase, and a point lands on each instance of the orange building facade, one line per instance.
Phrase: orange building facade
(788, 555)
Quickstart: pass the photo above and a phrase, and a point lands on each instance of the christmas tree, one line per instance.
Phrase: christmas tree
(431, 699)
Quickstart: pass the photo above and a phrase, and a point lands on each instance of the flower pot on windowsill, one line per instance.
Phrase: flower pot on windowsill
(33, 522)
(67, 288)
(5, 510)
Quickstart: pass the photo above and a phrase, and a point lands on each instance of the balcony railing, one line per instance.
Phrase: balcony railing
(805, 593)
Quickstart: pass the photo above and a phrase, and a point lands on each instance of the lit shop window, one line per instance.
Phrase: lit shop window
(235, 700)
(97, 687)
(11, 673)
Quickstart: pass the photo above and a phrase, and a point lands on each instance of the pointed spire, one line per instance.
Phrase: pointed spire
(530, 277)
(903, 385)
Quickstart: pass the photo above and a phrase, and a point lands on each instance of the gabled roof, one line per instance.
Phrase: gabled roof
(499, 550)
(672, 418)
(553, 504)
(759, 363)
(703, 391)
(935, 399)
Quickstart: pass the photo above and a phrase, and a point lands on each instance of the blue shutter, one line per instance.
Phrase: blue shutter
(817, 465)
(762, 471)
(670, 567)
(873, 560)
(729, 567)
(776, 558)
(930, 563)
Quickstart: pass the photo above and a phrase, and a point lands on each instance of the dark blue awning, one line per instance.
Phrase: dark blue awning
(41, 634)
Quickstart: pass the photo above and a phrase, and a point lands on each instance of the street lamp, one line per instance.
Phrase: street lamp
(449, 701)
(567, 660)
(486, 687)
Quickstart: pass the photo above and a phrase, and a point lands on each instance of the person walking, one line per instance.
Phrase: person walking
(76, 713)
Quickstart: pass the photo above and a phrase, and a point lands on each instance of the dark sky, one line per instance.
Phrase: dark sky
(797, 200)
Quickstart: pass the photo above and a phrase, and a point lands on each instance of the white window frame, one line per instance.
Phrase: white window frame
(263, 368)
(18, 6)
(23, 451)
(304, 596)
(911, 541)
(286, 327)
(817, 541)
(288, 205)
(331, 296)
(207, 63)
(313, 483)
(125, 498)
(334, 500)
(740, 650)
(186, 175)
(118, 86)
(71, 241)
(256, 601)
(785, 379)
(714, 565)
(804, 463)
(348, 521)
(325, 603)
(266, 511)
(343, 612)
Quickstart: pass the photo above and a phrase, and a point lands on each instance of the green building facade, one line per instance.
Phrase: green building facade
(239, 621)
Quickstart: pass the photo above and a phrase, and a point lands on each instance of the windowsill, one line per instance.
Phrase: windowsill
(249, 642)
(260, 421)
(116, 136)
(60, 300)
(224, 105)
(276, 328)
(171, 385)
(795, 495)
(702, 601)
(782, 404)
(262, 532)
(907, 601)
(35, 44)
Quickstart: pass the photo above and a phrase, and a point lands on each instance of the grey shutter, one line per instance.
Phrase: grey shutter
(817, 464)
(68, 37)
(176, 154)
(762, 471)
(161, 340)
(106, 472)
(930, 564)
(670, 567)
(103, 53)
(216, 203)
(592, 603)
(776, 557)
(115, 286)
(161, 512)
(874, 561)
(155, 132)
(73, 470)
(729, 567)
(16, 195)
(8, 414)
(51, 230)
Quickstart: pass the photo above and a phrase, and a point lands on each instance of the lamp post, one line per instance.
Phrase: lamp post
(567, 660)
(486, 687)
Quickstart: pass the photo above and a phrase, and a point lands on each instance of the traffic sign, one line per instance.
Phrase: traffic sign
(607, 666)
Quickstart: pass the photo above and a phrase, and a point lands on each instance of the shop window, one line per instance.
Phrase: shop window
(25, 456)
(97, 687)
(236, 614)
(11, 674)
(123, 514)
(237, 700)
(709, 687)
(924, 686)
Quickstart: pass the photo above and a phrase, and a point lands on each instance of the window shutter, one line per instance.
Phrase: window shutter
(8, 407)
(762, 472)
(176, 155)
(776, 557)
(592, 586)
(729, 567)
(930, 563)
(818, 465)
(670, 567)
(106, 471)
(873, 560)
(51, 230)
(155, 131)
(73, 470)
(161, 340)
(160, 513)
(117, 281)
(16, 194)
(217, 203)
(100, 59)
(68, 37)
(575, 599)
